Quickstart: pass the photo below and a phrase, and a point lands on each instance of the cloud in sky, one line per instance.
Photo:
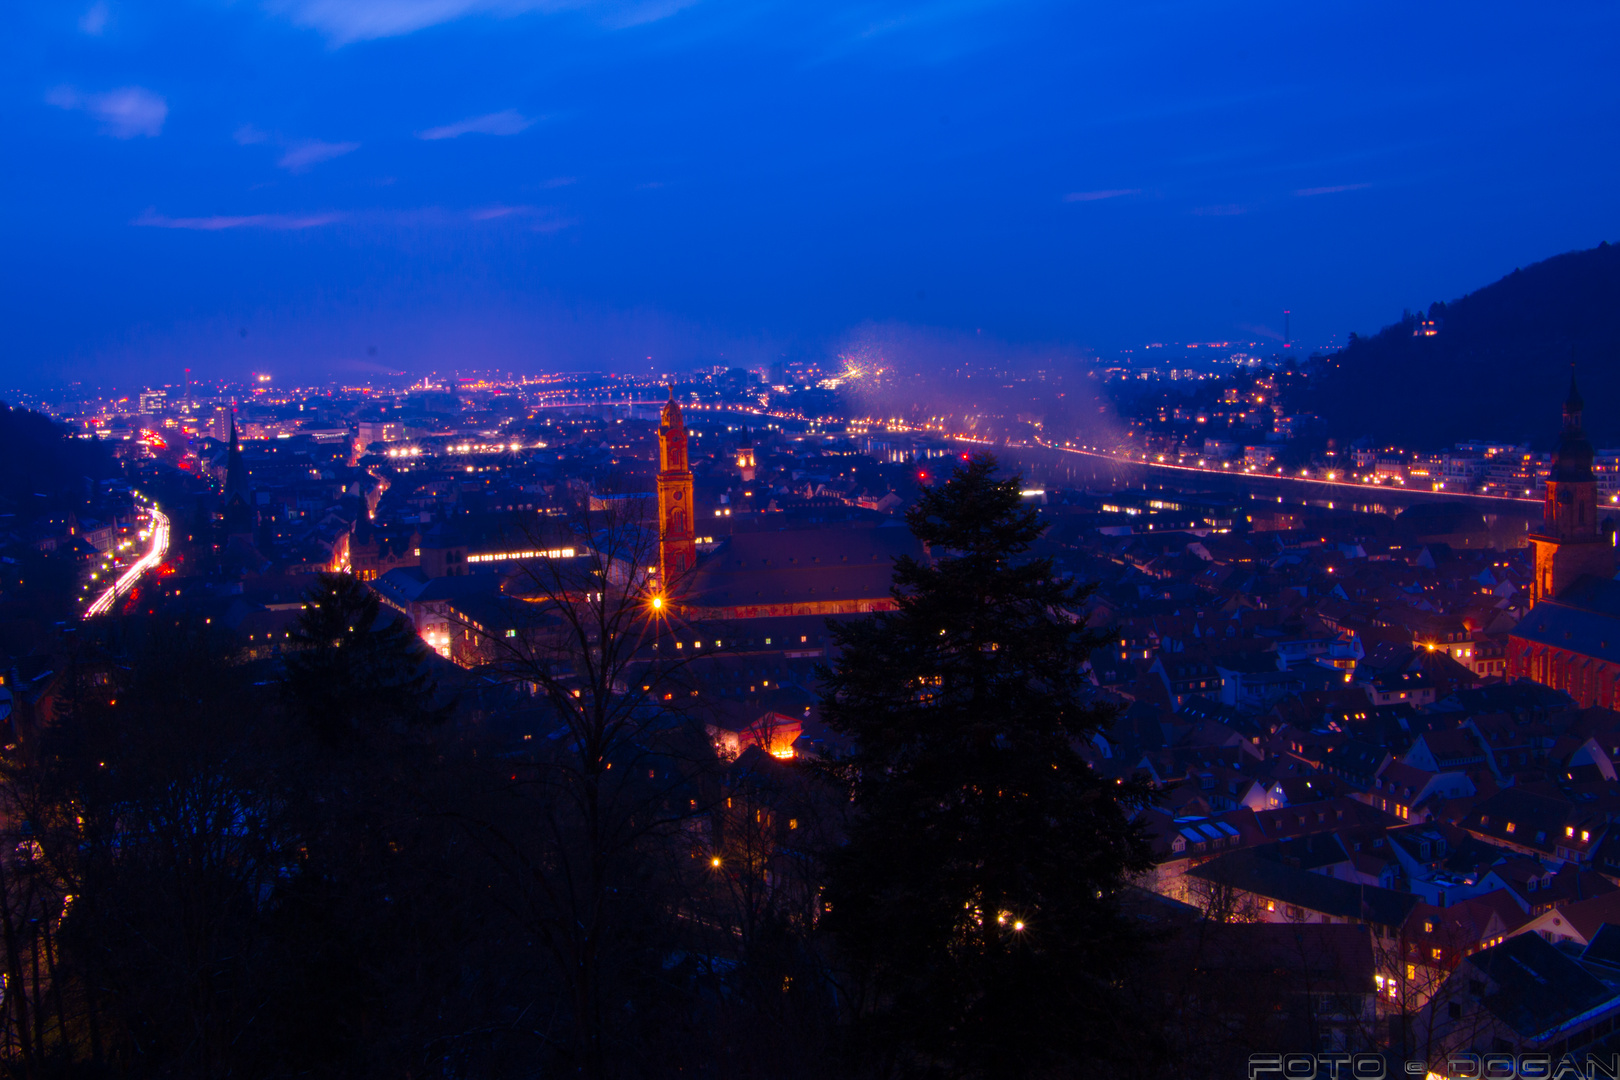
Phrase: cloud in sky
(1093, 196)
(346, 21)
(94, 21)
(542, 219)
(1307, 192)
(505, 122)
(124, 113)
(217, 222)
(310, 152)
(248, 135)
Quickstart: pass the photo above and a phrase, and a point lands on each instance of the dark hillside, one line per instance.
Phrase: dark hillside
(1497, 369)
(46, 469)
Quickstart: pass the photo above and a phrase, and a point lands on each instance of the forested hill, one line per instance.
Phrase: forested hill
(1497, 369)
(46, 469)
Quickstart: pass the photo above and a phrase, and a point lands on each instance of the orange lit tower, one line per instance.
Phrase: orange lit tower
(1571, 541)
(677, 548)
(745, 458)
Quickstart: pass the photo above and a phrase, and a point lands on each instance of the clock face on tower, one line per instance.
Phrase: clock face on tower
(678, 495)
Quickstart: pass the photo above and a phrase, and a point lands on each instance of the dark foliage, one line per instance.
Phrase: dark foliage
(49, 474)
(976, 895)
(212, 866)
(358, 670)
(47, 469)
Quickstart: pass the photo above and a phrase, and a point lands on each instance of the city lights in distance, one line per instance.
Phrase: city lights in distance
(506, 556)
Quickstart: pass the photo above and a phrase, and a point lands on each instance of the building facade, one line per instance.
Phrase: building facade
(1570, 639)
(677, 543)
(1573, 541)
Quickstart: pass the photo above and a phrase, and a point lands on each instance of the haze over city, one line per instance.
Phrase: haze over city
(328, 188)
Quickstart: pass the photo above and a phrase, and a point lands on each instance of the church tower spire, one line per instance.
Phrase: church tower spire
(235, 467)
(1571, 541)
(1574, 405)
(238, 507)
(677, 543)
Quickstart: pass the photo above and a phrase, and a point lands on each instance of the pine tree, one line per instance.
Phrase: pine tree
(976, 896)
(356, 671)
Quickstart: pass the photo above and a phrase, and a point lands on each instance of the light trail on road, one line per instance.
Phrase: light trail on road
(1349, 486)
(126, 581)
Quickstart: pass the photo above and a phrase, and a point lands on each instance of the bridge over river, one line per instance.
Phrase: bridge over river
(1507, 521)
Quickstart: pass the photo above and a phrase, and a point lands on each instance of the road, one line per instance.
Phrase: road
(126, 581)
(1351, 489)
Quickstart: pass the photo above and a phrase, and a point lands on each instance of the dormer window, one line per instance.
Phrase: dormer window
(1510, 827)
(1569, 830)
(1586, 836)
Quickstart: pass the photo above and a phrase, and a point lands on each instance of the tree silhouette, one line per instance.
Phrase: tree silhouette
(976, 898)
(355, 670)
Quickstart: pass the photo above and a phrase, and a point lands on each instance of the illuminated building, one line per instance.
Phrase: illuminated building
(677, 545)
(1572, 541)
(772, 732)
(745, 459)
(1570, 639)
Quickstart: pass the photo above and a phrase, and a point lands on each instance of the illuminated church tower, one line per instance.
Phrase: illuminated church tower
(1571, 542)
(677, 548)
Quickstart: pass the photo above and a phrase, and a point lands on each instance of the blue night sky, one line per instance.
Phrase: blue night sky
(589, 183)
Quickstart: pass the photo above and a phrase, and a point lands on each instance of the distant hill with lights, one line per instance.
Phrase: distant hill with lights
(1491, 365)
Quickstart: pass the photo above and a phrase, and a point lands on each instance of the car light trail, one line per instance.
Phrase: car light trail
(126, 581)
(1354, 487)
